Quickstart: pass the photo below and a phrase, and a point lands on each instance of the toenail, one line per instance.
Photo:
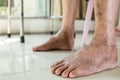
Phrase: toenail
(57, 71)
(64, 75)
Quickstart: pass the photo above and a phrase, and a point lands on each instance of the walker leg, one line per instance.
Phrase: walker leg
(74, 35)
(9, 19)
(9, 35)
(51, 33)
(87, 22)
(52, 24)
(22, 38)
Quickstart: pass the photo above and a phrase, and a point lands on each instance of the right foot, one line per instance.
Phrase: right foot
(63, 40)
(88, 60)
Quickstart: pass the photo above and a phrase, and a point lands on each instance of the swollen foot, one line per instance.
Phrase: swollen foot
(63, 40)
(117, 32)
(88, 60)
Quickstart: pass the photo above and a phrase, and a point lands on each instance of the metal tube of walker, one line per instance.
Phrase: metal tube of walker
(22, 38)
(9, 19)
(87, 22)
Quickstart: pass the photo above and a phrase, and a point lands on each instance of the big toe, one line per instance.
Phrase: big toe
(44, 47)
(38, 48)
(73, 74)
(35, 48)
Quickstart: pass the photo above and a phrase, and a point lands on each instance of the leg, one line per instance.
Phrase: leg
(101, 53)
(64, 39)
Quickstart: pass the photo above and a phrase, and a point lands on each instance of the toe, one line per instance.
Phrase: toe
(59, 62)
(65, 74)
(77, 73)
(59, 70)
(73, 74)
(35, 48)
(44, 47)
(38, 48)
(53, 69)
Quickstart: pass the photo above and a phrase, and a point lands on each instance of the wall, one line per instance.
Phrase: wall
(38, 25)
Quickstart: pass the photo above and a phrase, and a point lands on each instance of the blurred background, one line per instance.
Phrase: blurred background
(38, 15)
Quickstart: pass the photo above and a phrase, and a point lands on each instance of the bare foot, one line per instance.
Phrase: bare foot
(117, 32)
(63, 40)
(88, 60)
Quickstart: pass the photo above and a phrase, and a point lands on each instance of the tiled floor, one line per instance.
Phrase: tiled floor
(19, 62)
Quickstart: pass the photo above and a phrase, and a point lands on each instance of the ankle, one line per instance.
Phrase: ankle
(103, 40)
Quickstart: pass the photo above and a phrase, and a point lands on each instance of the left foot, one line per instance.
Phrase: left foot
(63, 40)
(88, 60)
(117, 32)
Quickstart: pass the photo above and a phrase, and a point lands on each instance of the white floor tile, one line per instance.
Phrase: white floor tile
(19, 62)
